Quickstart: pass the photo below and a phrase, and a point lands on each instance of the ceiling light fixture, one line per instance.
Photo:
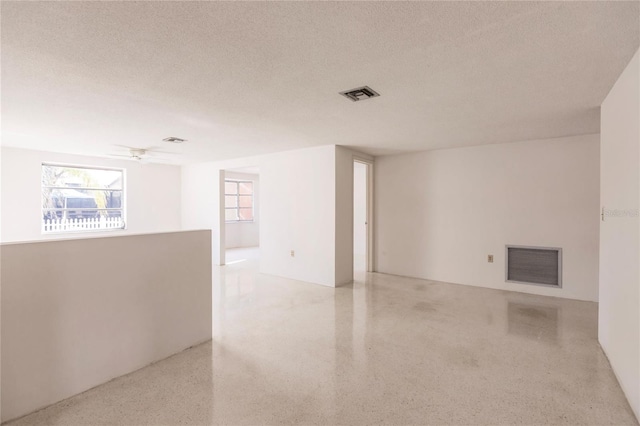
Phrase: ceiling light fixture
(359, 94)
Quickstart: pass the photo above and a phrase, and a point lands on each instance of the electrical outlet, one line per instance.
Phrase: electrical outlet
(293, 253)
(490, 258)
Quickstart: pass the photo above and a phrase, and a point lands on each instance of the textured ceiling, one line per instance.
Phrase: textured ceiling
(239, 79)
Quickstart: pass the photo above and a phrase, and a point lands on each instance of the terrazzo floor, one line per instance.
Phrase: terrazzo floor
(384, 350)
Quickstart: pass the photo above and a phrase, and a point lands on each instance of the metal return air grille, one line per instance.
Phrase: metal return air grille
(359, 94)
(534, 265)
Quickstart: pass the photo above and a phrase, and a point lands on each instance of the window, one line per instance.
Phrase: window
(238, 200)
(76, 198)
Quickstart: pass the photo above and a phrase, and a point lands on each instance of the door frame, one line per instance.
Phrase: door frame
(370, 258)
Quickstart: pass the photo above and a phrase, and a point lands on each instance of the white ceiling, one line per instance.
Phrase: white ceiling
(240, 79)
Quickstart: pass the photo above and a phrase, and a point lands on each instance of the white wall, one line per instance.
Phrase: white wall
(245, 234)
(152, 194)
(298, 213)
(297, 207)
(201, 209)
(306, 202)
(619, 309)
(96, 308)
(440, 213)
(343, 215)
(0, 284)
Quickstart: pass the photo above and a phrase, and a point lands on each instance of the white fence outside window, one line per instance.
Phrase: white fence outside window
(81, 224)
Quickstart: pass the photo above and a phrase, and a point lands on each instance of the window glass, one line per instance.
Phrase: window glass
(238, 201)
(245, 214)
(246, 188)
(231, 201)
(230, 188)
(81, 198)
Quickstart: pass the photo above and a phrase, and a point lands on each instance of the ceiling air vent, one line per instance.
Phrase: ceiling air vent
(360, 94)
(173, 139)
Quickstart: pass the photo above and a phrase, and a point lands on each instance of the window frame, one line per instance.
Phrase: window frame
(123, 198)
(238, 195)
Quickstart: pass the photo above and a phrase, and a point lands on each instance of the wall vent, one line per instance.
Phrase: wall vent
(359, 94)
(534, 265)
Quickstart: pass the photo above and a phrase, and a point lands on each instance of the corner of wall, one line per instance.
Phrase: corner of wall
(619, 272)
(1, 149)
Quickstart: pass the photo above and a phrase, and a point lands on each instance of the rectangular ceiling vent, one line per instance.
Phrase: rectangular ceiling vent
(359, 94)
(534, 265)
(173, 139)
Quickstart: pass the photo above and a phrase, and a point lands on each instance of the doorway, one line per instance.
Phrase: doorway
(361, 217)
(241, 214)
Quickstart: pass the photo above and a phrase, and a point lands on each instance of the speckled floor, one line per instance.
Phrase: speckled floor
(385, 350)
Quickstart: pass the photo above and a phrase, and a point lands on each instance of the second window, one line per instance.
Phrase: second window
(238, 200)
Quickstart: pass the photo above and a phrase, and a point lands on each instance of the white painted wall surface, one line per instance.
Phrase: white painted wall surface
(297, 210)
(152, 195)
(201, 209)
(298, 213)
(359, 211)
(619, 309)
(344, 215)
(0, 284)
(440, 213)
(77, 313)
(306, 202)
(245, 234)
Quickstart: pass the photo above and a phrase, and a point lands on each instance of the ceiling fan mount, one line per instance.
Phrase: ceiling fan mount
(137, 153)
(142, 154)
